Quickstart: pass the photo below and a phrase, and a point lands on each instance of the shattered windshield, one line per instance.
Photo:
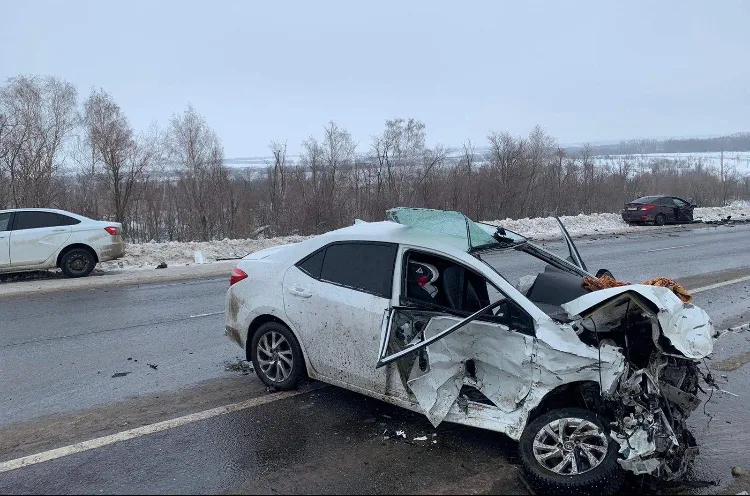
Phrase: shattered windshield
(457, 225)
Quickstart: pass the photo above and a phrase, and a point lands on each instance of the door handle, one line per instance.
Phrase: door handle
(298, 291)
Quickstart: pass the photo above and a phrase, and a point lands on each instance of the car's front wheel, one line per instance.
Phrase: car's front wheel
(276, 356)
(569, 451)
(77, 262)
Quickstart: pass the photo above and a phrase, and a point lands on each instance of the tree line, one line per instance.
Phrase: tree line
(738, 142)
(171, 184)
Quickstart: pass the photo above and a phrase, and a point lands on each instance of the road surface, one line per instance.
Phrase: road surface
(83, 365)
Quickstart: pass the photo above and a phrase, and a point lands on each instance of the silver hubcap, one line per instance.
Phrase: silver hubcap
(570, 446)
(275, 356)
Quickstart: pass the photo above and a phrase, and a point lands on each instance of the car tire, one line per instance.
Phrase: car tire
(660, 220)
(77, 262)
(605, 478)
(272, 348)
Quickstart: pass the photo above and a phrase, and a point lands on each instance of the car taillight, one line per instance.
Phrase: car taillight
(647, 207)
(237, 276)
(114, 231)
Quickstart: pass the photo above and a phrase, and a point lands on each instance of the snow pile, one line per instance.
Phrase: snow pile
(149, 255)
(739, 210)
(547, 227)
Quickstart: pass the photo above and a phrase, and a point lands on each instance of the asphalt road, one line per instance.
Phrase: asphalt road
(59, 352)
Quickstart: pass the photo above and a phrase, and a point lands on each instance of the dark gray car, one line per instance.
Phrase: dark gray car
(658, 209)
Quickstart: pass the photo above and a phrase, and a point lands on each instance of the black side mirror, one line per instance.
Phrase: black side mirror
(604, 272)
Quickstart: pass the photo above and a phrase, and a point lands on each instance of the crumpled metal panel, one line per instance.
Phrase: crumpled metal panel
(502, 365)
(513, 371)
(688, 328)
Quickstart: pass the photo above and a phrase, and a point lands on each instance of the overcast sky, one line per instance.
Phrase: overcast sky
(262, 70)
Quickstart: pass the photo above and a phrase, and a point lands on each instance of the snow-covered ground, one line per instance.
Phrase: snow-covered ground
(732, 160)
(149, 255)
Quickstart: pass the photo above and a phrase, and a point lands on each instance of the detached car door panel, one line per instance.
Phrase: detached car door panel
(36, 237)
(337, 298)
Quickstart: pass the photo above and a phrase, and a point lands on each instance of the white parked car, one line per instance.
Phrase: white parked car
(38, 239)
(415, 311)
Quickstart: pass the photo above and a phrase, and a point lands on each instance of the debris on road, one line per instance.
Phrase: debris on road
(393, 435)
(162, 265)
(239, 366)
(153, 366)
(119, 374)
(420, 438)
(737, 471)
(199, 258)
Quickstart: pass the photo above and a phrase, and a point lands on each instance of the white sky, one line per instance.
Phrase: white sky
(261, 71)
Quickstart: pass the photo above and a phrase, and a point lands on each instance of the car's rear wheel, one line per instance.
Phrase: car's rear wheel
(660, 220)
(77, 262)
(569, 451)
(276, 356)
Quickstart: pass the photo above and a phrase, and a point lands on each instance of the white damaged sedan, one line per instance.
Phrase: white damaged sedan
(412, 311)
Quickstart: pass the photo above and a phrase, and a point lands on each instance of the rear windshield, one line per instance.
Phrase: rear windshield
(646, 199)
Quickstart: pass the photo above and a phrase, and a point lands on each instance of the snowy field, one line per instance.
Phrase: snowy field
(740, 161)
(149, 255)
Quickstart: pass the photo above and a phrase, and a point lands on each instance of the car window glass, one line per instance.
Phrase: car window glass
(4, 220)
(313, 264)
(67, 221)
(35, 220)
(665, 201)
(366, 267)
(679, 202)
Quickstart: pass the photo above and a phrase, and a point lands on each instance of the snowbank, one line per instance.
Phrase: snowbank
(149, 255)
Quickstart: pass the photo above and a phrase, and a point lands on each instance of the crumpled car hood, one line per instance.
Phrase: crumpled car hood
(686, 326)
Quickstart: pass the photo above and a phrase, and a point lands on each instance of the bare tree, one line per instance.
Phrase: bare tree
(40, 114)
(120, 159)
(195, 149)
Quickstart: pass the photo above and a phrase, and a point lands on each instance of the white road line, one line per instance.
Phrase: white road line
(144, 430)
(719, 284)
(669, 248)
(205, 314)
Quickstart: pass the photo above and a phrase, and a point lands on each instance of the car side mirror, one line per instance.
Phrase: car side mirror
(604, 272)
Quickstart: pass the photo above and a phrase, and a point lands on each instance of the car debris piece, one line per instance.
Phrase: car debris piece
(153, 366)
(119, 374)
(420, 438)
(162, 265)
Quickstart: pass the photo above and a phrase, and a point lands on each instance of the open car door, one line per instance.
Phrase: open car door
(575, 256)
(441, 356)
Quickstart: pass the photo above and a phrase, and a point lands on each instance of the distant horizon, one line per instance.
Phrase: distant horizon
(363, 151)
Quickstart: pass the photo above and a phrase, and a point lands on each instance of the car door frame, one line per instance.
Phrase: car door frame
(6, 236)
(480, 268)
(524, 382)
(61, 228)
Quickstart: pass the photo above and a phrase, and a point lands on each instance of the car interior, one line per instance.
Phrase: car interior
(432, 281)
